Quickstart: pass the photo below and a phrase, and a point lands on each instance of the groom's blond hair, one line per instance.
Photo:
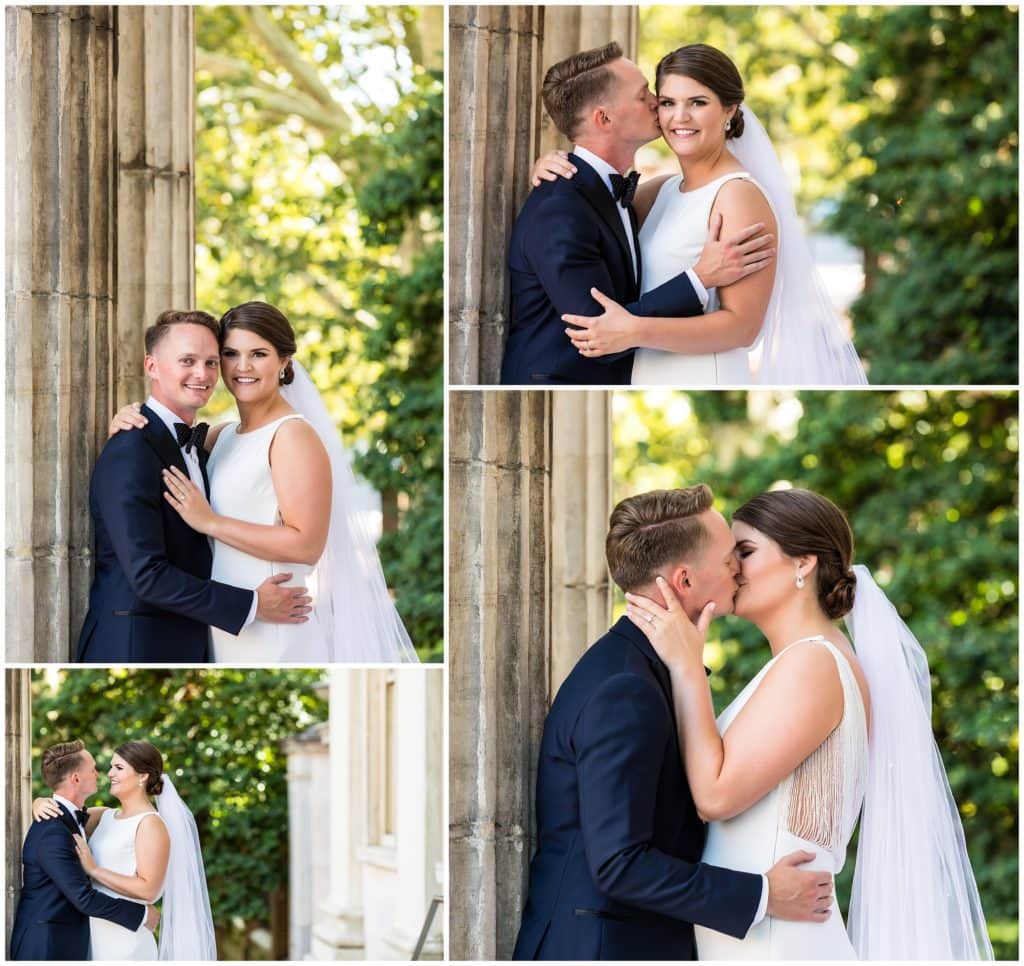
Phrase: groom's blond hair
(651, 530)
(61, 760)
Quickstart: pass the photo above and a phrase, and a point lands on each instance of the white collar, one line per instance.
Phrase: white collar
(70, 806)
(169, 418)
(602, 167)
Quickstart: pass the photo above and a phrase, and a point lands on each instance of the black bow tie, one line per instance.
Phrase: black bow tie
(81, 816)
(191, 436)
(623, 188)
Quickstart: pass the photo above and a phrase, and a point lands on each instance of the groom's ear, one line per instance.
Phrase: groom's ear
(679, 580)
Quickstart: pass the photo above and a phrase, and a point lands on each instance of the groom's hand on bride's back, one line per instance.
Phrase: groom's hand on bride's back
(797, 894)
(282, 605)
(722, 263)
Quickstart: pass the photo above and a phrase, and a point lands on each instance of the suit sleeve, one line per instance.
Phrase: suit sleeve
(129, 498)
(60, 862)
(564, 250)
(621, 738)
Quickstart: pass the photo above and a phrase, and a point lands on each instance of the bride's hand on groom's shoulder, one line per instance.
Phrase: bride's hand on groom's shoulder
(551, 167)
(44, 808)
(675, 638)
(127, 417)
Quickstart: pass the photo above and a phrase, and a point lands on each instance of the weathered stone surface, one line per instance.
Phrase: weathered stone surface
(529, 485)
(99, 190)
(18, 798)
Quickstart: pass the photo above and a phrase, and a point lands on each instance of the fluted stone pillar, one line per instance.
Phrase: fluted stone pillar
(18, 797)
(569, 29)
(99, 236)
(499, 481)
(581, 499)
(497, 127)
(529, 497)
(494, 73)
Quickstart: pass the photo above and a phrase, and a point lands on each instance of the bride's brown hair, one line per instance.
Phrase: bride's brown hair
(710, 67)
(146, 760)
(802, 522)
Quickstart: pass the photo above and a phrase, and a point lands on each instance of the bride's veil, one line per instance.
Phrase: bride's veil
(360, 622)
(186, 928)
(914, 894)
(802, 342)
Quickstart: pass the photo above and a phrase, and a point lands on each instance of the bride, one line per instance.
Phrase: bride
(136, 852)
(823, 733)
(282, 500)
(774, 326)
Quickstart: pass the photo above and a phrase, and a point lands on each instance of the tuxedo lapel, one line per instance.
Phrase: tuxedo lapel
(636, 248)
(68, 821)
(627, 629)
(204, 458)
(589, 184)
(159, 437)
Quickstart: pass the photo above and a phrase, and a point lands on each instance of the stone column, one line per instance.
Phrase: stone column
(581, 499)
(338, 919)
(497, 127)
(18, 797)
(569, 29)
(99, 214)
(499, 481)
(494, 72)
(529, 497)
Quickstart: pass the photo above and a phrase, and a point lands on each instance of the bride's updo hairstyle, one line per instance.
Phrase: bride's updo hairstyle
(269, 324)
(710, 67)
(146, 760)
(802, 522)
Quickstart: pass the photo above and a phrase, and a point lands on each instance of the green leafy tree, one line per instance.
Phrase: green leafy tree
(301, 112)
(929, 483)
(220, 732)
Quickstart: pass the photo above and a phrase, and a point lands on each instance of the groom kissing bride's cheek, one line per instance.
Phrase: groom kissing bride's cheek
(633, 762)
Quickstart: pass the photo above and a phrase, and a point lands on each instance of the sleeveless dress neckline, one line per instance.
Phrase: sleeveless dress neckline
(259, 429)
(728, 176)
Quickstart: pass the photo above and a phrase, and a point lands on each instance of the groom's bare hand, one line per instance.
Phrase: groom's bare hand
(152, 918)
(723, 262)
(282, 605)
(798, 894)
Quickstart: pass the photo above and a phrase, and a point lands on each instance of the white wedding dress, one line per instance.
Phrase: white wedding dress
(815, 808)
(241, 487)
(671, 240)
(113, 847)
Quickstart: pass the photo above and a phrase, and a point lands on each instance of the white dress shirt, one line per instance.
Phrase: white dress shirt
(71, 807)
(191, 458)
(605, 170)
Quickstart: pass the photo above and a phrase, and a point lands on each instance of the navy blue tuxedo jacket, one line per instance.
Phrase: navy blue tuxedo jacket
(57, 898)
(152, 600)
(617, 873)
(569, 238)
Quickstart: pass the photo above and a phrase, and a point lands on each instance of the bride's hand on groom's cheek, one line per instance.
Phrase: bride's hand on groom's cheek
(188, 500)
(674, 637)
(127, 417)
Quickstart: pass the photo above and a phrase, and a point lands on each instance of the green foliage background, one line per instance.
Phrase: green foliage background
(929, 483)
(220, 732)
(319, 189)
(903, 123)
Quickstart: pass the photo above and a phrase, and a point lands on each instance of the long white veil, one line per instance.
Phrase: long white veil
(802, 342)
(360, 622)
(186, 928)
(914, 894)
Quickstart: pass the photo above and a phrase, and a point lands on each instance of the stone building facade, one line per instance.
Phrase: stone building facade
(497, 128)
(99, 238)
(365, 795)
(529, 497)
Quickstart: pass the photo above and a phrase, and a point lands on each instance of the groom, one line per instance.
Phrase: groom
(152, 600)
(581, 233)
(617, 873)
(57, 898)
